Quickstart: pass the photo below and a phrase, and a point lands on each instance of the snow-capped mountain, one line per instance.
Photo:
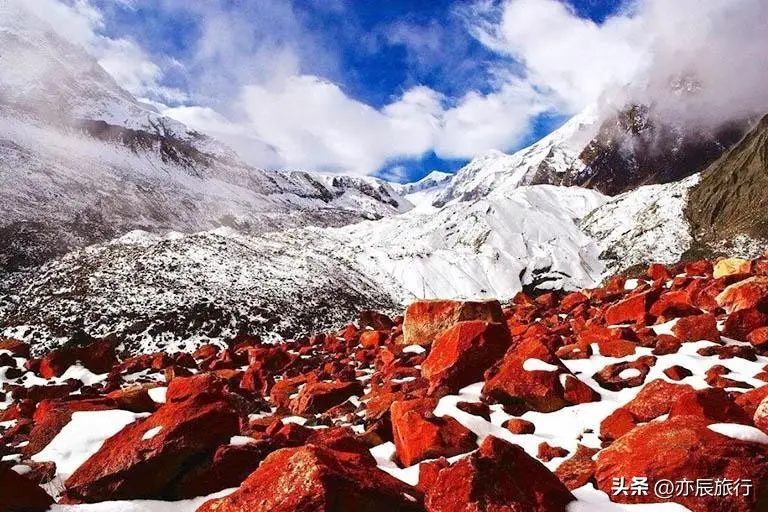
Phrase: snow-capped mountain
(82, 161)
(552, 160)
(421, 194)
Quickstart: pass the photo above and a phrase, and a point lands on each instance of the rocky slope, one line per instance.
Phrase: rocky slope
(637, 146)
(547, 404)
(730, 199)
(211, 285)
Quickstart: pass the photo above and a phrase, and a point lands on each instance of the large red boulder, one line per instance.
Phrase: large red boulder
(633, 309)
(318, 397)
(146, 457)
(684, 448)
(499, 476)
(420, 435)
(714, 405)
(18, 494)
(579, 469)
(740, 324)
(697, 328)
(461, 355)
(746, 294)
(97, 356)
(656, 398)
(318, 479)
(529, 378)
(426, 319)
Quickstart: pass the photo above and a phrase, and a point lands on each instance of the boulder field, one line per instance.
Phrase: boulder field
(547, 403)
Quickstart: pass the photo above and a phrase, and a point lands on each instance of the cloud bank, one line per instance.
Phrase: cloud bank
(269, 84)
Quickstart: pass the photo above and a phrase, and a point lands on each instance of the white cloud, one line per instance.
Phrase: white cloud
(81, 23)
(636, 54)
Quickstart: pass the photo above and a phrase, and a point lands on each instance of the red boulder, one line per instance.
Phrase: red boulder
(500, 476)
(461, 355)
(425, 320)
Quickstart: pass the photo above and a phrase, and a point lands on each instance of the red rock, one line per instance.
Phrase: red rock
(760, 417)
(19, 494)
(750, 293)
(428, 472)
(657, 272)
(701, 268)
(255, 380)
(738, 325)
(617, 376)
(616, 424)
(98, 356)
(475, 409)
(229, 467)
(519, 426)
(461, 354)
(575, 391)
(579, 469)
(202, 385)
(206, 351)
(674, 304)
(509, 383)
(375, 320)
(425, 320)
(751, 400)
(666, 344)
(373, 339)
(419, 435)
(547, 452)
(572, 300)
(684, 448)
(614, 347)
(318, 397)
(134, 398)
(15, 347)
(142, 460)
(633, 309)
(714, 405)
(656, 398)
(677, 372)
(500, 476)
(697, 328)
(759, 339)
(315, 478)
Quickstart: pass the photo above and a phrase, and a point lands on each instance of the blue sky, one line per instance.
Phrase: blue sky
(399, 67)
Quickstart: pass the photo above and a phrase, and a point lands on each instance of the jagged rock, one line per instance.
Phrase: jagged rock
(318, 479)
(19, 494)
(461, 355)
(420, 435)
(499, 476)
(425, 320)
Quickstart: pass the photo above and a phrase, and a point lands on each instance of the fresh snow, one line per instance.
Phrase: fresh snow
(740, 432)
(82, 437)
(533, 365)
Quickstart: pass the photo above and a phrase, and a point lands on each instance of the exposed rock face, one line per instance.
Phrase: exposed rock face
(461, 355)
(728, 200)
(19, 494)
(690, 451)
(499, 476)
(318, 479)
(144, 459)
(425, 320)
(637, 147)
(420, 435)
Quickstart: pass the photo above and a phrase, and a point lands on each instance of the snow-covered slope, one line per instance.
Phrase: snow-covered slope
(551, 160)
(168, 293)
(645, 225)
(421, 194)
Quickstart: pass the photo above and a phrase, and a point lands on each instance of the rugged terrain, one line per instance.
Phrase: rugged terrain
(553, 403)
